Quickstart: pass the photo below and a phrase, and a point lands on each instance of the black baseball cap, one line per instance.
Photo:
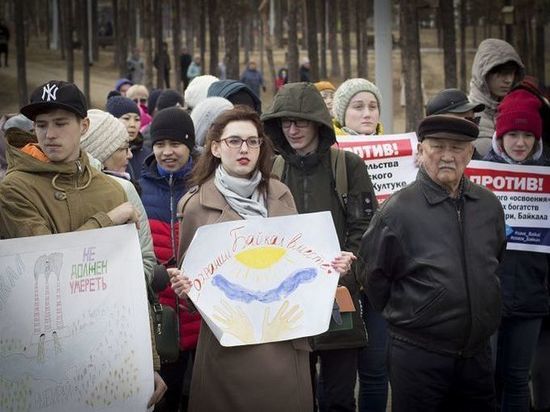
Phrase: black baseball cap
(451, 101)
(56, 94)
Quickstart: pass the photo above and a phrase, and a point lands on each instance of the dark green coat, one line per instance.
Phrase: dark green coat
(312, 184)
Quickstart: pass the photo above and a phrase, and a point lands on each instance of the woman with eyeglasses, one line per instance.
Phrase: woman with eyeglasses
(233, 182)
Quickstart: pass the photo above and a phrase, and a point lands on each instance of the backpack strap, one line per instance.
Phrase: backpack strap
(278, 166)
(339, 171)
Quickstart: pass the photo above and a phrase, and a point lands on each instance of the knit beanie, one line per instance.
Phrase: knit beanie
(169, 98)
(325, 85)
(118, 106)
(197, 89)
(105, 135)
(121, 82)
(345, 93)
(175, 124)
(152, 100)
(519, 110)
(205, 113)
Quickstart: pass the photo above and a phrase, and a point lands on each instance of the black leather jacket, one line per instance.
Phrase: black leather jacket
(431, 265)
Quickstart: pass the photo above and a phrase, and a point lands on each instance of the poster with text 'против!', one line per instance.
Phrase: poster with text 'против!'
(390, 159)
(74, 323)
(266, 279)
(524, 192)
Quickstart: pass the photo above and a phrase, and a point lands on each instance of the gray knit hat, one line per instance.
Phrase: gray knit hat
(197, 89)
(345, 93)
(105, 135)
(205, 113)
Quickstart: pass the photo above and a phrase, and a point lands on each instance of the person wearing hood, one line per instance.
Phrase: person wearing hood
(197, 90)
(253, 78)
(51, 186)
(164, 181)
(497, 67)
(300, 127)
(122, 85)
(236, 92)
(524, 275)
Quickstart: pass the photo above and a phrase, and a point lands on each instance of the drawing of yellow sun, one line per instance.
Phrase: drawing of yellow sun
(260, 257)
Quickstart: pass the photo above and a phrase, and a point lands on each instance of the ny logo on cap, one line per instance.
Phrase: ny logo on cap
(49, 92)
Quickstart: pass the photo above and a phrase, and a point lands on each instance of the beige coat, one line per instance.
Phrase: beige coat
(266, 377)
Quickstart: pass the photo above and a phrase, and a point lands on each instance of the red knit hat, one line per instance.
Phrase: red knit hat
(519, 110)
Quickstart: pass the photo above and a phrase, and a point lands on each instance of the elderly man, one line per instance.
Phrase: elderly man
(431, 255)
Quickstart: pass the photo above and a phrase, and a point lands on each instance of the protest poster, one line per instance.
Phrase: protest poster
(524, 192)
(390, 159)
(74, 323)
(266, 279)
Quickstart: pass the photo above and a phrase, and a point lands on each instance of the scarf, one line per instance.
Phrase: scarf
(241, 194)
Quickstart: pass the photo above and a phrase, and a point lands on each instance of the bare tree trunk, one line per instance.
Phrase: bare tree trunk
(410, 63)
(312, 49)
(333, 11)
(95, 29)
(48, 25)
(189, 26)
(202, 32)
(463, 84)
(346, 49)
(361, 31)
(447, 12)
(19, 9)
(176, 41)
(214, 30)
(157, 27)
(293, 74)
(84, 38)
(116, 32)
(268, 41)
(231, 18)
(146, 16)
(60, 17)
(68, 36)
(131, 24)
(540, 45)
(323, 51)
(279, 27)
(122, 37)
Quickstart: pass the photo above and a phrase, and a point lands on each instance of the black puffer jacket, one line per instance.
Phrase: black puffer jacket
(311, 182)
(432, 265)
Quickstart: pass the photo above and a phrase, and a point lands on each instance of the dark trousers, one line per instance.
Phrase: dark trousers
(337, 377)
(516, 343)
(173, 374)
(428, 382)
(540, 375)
(373, 376)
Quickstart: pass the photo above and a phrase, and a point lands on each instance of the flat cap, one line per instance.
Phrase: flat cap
(441, 126)
(452, 101)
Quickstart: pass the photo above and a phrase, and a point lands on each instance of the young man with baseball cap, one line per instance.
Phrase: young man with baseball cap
(50, 186)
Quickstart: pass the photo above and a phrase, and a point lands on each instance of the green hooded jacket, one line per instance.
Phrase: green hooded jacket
(312, 184)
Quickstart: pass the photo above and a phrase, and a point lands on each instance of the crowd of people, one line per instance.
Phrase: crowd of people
(445, 315)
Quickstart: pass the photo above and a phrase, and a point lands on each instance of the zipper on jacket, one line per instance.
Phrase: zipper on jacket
(458, 207)
(172, 216)
(304, 187)
(78, 172)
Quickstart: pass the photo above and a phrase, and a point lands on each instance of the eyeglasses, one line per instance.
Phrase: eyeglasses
(299, 123)
(235, 142)
(474, 120)
(142, 100)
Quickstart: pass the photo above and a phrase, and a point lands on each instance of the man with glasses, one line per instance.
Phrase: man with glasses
(454, 102)
(300, 127)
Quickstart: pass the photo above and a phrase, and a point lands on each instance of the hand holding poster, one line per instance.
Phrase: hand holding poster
(74, 323)
(524, 192)
(390, 159)
(266, 279)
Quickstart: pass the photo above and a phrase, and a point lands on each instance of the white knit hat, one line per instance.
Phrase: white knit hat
(197, 89)
(105, 135)
(345, 93)
(205, 113)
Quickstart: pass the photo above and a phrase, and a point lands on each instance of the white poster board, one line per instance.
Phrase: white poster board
(524, 192)
(266, 279)
(390, 159)
(74, 323)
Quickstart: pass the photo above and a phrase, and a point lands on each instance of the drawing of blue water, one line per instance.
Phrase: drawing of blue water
(237, 292)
